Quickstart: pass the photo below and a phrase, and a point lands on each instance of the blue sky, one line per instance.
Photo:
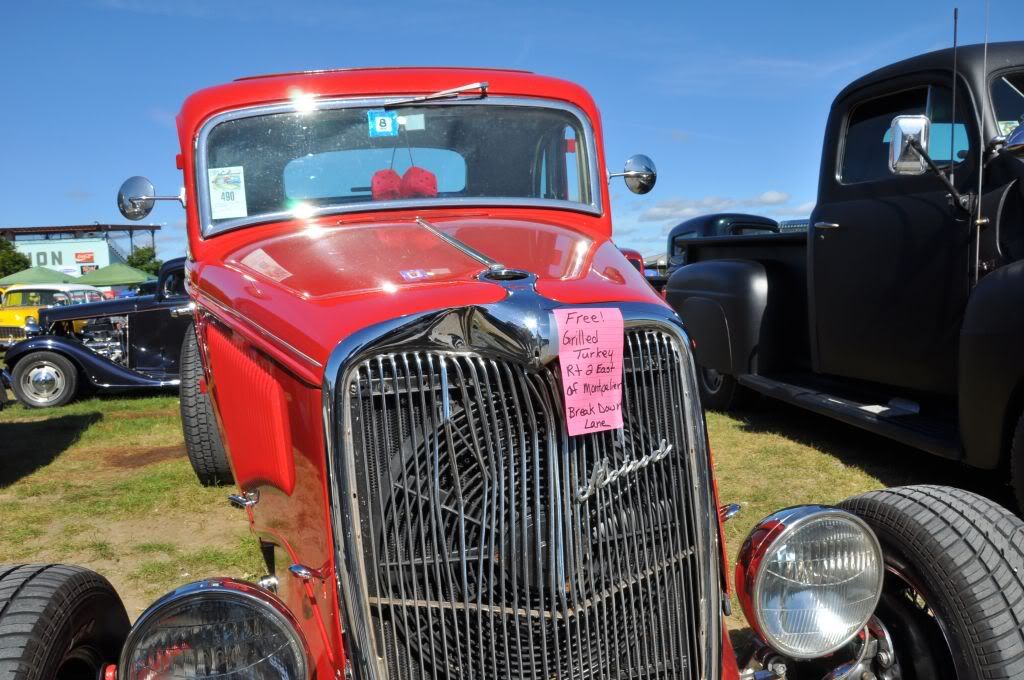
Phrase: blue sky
(729, 99)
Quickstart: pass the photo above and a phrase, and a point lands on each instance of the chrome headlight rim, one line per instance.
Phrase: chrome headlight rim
(764, 537)
(217, 589)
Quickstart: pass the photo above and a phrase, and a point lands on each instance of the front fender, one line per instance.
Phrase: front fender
(992, 365)
(100, 371)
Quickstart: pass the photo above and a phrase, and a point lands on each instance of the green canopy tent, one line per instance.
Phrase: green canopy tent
(37, 275)
(117, 274)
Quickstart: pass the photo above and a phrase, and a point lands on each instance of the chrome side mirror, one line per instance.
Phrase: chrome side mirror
(639, 174)
(136, 196)
(1015, 141)
(908, 145)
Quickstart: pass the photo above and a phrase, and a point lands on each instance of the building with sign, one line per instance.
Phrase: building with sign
(76, 250)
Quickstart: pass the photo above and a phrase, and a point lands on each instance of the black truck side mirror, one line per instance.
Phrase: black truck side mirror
(908, 145)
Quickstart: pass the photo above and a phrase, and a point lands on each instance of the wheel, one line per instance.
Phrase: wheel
(44, 380)
(953, 597)
(720, 392)
(1017, 463)
(58, 622)
(202, 438)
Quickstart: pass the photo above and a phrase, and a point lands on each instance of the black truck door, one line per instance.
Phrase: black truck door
(888, 256)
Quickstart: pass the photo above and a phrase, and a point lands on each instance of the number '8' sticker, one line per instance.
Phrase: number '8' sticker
(382, 123)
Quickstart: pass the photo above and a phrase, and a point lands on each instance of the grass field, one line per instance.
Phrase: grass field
(105, 483)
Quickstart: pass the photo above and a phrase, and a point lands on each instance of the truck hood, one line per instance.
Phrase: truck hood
(311, 286)
(91, 310)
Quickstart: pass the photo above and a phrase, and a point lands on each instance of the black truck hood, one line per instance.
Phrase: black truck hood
(91, 310)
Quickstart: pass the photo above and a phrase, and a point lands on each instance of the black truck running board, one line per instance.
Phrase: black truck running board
(895, 422)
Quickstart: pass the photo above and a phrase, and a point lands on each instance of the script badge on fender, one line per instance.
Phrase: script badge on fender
(590, 354)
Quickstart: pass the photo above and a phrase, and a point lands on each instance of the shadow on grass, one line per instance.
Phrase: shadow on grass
(892, 463)
(27, 446)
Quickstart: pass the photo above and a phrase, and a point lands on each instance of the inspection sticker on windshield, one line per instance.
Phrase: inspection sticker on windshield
(382, 123)
(227, 192)
(590, 354)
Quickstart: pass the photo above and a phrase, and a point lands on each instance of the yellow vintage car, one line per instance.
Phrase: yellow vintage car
(22, 302)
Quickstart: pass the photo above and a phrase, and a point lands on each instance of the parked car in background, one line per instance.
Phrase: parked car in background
(116, 345)
(900, 310)
(22, 304)
(467, 433)
(713, 225)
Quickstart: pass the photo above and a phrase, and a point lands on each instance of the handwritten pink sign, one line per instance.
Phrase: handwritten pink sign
(590, 352)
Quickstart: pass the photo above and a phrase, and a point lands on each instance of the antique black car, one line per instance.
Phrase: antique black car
(125, 344)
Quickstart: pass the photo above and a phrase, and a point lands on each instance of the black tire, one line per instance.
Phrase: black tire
(953, 599)
(58, 622)
(202, 437)
(44, 380)
(1017, 463)
(720, 392)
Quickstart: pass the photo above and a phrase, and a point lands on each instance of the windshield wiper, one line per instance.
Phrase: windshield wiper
(443, 94)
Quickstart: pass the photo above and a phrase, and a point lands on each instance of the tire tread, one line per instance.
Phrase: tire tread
(972, 549)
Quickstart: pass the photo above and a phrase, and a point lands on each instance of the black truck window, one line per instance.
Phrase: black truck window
(940, 111)
(866, 145)
(1008, 101)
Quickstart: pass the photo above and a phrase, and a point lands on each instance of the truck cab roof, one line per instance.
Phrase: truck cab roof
(970, 63)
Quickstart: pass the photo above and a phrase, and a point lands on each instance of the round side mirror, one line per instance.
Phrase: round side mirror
(639, 174)
(135, 198)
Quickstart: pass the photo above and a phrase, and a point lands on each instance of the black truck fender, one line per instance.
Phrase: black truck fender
(991, 371)
(98, 370)
(722, 304)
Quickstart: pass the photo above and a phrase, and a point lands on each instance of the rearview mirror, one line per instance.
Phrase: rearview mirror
(639, 174)
(907, 145)
(136, 196)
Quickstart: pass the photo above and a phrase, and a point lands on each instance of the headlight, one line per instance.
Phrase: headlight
(221, 628)
(809, 579)
(30, 320)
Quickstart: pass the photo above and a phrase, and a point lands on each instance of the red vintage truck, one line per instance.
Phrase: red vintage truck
(467, 434)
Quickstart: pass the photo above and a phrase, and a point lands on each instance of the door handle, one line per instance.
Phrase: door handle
(826, 225)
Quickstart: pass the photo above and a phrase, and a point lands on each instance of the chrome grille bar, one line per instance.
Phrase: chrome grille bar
(480, 558)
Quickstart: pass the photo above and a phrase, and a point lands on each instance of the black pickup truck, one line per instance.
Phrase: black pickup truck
(901, 309)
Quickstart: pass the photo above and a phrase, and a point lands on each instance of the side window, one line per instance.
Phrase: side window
(947, 141)
(865, 145)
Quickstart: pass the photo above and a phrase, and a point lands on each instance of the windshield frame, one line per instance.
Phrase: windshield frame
(207, 228)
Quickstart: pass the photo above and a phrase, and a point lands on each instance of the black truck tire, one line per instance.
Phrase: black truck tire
(1017, 463)
(202, 437)
(953, 599)
(720, 392)
(44, 380)
(58, 622)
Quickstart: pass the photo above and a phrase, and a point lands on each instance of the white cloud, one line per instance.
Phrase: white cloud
(675, 209)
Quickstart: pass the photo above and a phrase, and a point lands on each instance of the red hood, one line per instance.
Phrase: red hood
(312, 287)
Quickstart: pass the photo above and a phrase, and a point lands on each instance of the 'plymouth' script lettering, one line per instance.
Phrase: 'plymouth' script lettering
(590, 352)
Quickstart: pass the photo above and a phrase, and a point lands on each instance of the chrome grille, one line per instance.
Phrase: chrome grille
(12, 332)
(484, 555)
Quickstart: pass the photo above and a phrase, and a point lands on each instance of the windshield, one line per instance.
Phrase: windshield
(335, 159)
(28, 297)
(1008, 101)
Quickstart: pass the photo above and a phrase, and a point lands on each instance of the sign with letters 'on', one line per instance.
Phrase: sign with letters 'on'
(590, 354)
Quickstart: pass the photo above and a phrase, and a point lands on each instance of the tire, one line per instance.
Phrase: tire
(58, 622)
(953, 599)
(1017, 463)
(202, 438)
(44, 380)
(720, 392)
